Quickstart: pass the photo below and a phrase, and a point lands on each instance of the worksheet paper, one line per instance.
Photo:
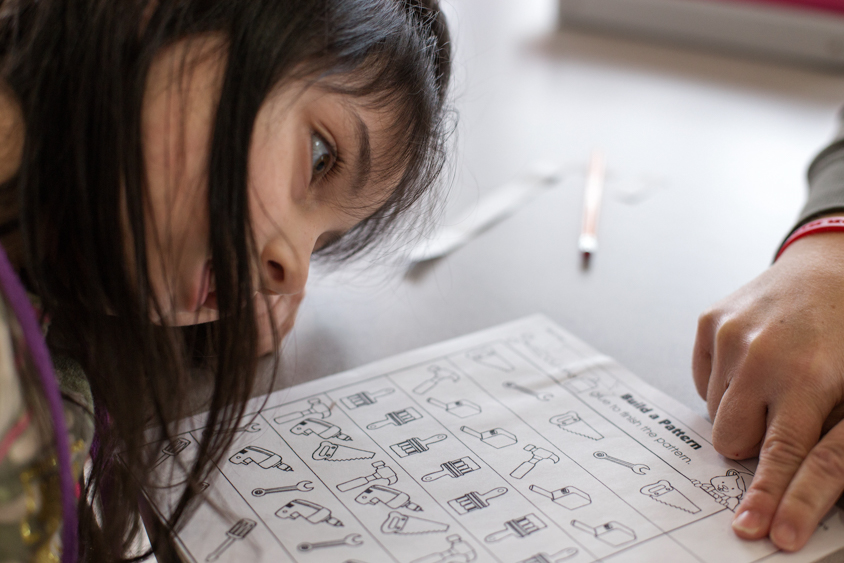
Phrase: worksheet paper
(515, 444)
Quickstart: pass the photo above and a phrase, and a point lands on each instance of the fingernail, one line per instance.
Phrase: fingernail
(748, 522)
(784, 536)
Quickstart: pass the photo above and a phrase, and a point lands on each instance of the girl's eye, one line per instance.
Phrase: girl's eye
(323, 156)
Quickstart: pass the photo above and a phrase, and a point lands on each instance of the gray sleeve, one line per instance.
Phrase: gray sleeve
(826, 179)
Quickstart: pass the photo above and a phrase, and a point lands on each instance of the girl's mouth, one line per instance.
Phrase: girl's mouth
(207, 296)
(211, 300)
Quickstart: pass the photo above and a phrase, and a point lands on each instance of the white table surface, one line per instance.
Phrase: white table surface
(706, 157)
(715, 147)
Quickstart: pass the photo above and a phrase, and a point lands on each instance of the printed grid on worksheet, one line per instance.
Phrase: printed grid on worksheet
(522, 449)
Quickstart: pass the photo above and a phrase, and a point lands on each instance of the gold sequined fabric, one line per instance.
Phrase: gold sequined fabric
(30, 497)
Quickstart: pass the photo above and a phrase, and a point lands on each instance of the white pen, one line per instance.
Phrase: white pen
(588, 241)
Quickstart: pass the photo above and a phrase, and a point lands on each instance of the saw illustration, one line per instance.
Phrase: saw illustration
(398, 523)
(571, 422)
(662, 491)
(329, 451)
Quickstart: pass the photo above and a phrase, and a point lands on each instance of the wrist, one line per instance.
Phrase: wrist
(830, 224)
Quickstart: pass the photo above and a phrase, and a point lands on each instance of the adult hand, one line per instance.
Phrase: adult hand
(277, 311)
(769, 361)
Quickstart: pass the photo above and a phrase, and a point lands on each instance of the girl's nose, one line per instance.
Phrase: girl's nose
(285, 267)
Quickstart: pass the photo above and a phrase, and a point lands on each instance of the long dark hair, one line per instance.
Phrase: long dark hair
(78, 69)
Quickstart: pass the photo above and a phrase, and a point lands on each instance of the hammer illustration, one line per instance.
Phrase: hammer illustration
(459, 552)
(318, 408)
(539, 454)
(440, 374)
(382, 472)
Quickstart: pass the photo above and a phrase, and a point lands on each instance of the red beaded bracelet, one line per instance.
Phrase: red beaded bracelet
(826, 225)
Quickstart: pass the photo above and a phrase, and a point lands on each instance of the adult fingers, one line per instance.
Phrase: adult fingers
(836, 416)
(732, 359)
(815, 488)
(702, 352)
(739, 426)
(790, 437)
(746, 370)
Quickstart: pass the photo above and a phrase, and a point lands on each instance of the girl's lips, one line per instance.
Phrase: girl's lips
(210, 300)
(205, 288)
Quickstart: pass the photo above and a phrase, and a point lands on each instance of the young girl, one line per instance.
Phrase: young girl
(169, 163)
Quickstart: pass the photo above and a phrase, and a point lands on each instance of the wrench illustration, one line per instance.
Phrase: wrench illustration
(353, 540)
(250, 428)
(526, 391)
(638, 468)
(303, 486)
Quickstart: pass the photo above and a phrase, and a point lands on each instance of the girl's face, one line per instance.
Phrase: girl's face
(308, 183)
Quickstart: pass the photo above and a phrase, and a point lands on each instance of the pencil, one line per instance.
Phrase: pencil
(588, 241)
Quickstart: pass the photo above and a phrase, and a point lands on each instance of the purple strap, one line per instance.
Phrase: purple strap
(22, 308)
